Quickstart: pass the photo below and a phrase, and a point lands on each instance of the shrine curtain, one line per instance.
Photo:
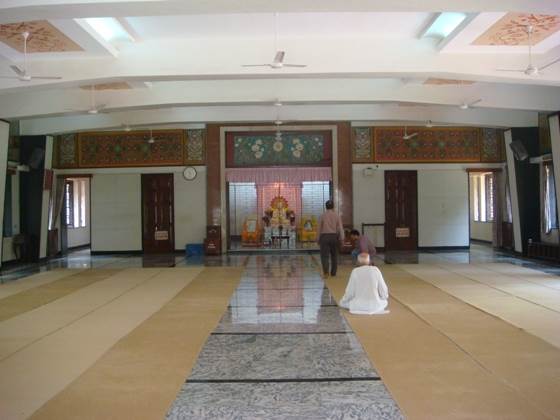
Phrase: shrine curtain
(292, 175)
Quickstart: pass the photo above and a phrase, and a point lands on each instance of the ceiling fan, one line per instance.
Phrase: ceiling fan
(21, 73)
(407, 136)
(531, 69)
(93, 108)
(278, 61)
(469, 105)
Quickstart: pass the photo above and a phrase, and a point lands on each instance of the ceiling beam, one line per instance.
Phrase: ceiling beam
(22, 10)
(289, 113)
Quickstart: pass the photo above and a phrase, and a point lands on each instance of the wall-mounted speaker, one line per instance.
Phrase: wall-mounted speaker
(519, 151)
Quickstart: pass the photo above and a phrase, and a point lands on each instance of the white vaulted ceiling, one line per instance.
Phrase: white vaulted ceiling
(366, 61)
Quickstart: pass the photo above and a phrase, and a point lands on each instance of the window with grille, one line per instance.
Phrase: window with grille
(69, 203)
(483, 196)
(550, 218)
(75, 191)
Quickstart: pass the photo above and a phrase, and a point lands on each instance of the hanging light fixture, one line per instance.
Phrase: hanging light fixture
(151, 140)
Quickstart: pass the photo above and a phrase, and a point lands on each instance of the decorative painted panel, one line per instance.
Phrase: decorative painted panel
(512, 29)
(66, 151)
(429, 145)
(120, 149)
(43, 37)
(491, 145)
(195, 147)
(268, 149)
(362, 144)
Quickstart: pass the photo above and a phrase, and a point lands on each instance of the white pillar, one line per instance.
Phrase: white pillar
(4, 138)
(513, 192)
(45, 201)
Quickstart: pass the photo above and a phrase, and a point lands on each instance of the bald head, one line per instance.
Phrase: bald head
(363, 259)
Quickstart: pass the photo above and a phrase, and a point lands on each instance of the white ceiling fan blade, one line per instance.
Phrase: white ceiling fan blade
(256, 65)
(516, 71)
(412, 135)
(475, 102)
(279, 57)
(46, 77)
(295, 65)
(18, 71)
(549, 64)
(10, 77)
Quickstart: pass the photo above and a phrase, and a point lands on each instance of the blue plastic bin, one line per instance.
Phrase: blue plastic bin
(194, 250)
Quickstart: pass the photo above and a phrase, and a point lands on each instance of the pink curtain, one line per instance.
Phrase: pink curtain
(278, 175)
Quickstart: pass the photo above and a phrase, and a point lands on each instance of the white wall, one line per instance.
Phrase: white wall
(190, 208)
(443, 214)
(80, 236)
(116, 219)
(116, 211)
(369, 201)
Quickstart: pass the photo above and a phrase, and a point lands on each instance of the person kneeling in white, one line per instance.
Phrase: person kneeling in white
(366, 292)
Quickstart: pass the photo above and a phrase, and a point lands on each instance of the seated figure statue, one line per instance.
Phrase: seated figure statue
(280, 211)
(308, 229)
(251, 233)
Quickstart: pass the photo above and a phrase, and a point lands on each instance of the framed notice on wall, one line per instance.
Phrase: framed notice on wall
(162, 235)
(402, 232)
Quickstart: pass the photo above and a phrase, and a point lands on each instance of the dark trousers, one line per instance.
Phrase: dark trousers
(328, 242)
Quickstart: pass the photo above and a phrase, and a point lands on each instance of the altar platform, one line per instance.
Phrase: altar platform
(301, 248)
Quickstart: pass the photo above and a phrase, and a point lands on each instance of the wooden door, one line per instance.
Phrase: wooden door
(158, 235)
(401, 210)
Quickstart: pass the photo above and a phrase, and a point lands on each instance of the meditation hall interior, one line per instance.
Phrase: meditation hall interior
(279, 210)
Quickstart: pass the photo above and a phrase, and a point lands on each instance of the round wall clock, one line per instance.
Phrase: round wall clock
(189, 173)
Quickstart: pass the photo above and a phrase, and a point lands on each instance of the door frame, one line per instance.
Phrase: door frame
(172, 218)
(386, 230)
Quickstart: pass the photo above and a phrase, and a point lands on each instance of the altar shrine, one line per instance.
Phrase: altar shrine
(276, 215)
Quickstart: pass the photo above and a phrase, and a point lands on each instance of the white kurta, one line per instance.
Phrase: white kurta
(366, 292)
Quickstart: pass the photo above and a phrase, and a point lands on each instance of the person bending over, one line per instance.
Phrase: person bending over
(362, 244)
(366, 292)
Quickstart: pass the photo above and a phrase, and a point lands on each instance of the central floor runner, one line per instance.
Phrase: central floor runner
(429, 374)
(139, 377)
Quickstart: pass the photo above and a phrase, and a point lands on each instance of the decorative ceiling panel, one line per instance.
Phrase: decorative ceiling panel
(512, 29)
(43, 37)
(436, 81)
(108, 86)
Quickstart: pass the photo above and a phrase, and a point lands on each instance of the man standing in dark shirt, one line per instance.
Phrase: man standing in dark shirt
(330, 233)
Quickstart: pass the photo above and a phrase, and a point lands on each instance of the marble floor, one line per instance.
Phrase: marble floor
(283, 350)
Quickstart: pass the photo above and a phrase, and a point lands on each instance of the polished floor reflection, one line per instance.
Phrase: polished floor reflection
(283, 350)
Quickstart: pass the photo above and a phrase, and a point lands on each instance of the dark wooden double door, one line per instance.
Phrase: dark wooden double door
(401, 210)
(158, 233)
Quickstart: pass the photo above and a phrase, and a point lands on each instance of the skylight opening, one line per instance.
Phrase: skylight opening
(110, 29)
(444, 24)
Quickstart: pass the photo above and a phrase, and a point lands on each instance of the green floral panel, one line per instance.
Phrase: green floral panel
(271, 149)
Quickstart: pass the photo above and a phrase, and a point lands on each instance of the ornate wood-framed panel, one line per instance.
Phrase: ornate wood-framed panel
(195, 147)
(362, 145)
(430, 145)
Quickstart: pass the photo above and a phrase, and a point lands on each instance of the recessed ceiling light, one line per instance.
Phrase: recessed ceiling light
(444, 24)
(109, 29)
